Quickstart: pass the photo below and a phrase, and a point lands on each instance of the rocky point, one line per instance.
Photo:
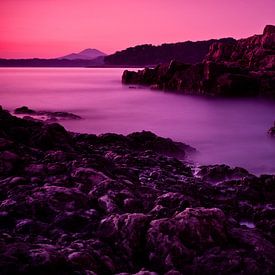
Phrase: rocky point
(245, 67)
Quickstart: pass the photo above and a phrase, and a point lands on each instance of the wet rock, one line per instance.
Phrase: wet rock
(245, 67)
(5, 144)
(172, 242)
(51, 136)
(148, 140)
(259, 246)
(28, 226)
(44, 115)
(24, 110)
(126, 233)
(228, 261)
(107, 204)
(218, 173)
(71, 222)
(8, 162)
(35, 170)
(56, 168)
(61, 198)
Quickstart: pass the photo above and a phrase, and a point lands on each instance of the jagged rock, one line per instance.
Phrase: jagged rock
(218, 173)
(60, 198)
(245, 67)
(8, 162)
(36, 170)
(172, 242)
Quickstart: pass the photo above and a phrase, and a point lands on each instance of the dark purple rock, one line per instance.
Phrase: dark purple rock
(24, 110)
(113, 204)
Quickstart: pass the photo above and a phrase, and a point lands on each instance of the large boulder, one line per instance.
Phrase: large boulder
(50, 136)
(173, 243)
(126, 234)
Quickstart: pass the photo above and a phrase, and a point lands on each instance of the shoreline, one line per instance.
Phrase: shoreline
(113, 204)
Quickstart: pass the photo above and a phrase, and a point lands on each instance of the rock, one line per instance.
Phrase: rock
(245, 67)
(63, 115)
(229, 261)
(44, 115)
(218, 173)
(51, 136)
(5, 144)
(56, 168)
(172, 242)
(271, 131)
(35, 170)
(80, 259)
(107, 204)
(8, 162)
(88, 174)
(148, 140)
(28, 226)
(126, 233)
(18, 180)
(71, 222)
(60, 198)
(113, 204)
(24, 110)
(268, 40)
(130, 77)
(258, 244)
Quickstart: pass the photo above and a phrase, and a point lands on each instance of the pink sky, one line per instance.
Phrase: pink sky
(52, 28)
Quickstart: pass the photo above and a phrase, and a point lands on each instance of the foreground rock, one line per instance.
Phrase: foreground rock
(245, 67)
(113, 204)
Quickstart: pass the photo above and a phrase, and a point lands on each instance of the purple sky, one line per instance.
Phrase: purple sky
(51, 28)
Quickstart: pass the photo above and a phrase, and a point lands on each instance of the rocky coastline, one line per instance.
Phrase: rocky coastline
(112, 204)
(245, 67)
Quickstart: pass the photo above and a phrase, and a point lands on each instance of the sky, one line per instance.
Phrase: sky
(52, 28)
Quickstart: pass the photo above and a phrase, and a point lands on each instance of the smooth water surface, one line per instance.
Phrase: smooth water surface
(226, 131)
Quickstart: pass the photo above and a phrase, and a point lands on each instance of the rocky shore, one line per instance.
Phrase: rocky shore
(111, 204)
(245, 67)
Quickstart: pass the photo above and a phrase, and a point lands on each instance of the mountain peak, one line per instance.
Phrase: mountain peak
(86, 54)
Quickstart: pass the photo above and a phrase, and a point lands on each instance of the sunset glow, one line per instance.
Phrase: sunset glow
(31, 28)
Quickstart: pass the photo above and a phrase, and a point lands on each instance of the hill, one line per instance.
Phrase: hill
(142, 55)
(87, 54)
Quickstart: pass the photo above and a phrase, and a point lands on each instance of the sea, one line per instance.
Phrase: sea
(224, 131)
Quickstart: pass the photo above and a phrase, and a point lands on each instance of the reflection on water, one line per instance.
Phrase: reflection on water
(224, 131)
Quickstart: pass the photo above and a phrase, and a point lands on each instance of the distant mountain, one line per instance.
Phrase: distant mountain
(87, 54)
(85, 58)
(142, 55)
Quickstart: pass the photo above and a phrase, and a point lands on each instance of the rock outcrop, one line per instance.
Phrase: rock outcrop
(111, 204)
(46, 116)
(243, 68)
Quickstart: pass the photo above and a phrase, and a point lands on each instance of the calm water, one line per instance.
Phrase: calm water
(224, 131)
